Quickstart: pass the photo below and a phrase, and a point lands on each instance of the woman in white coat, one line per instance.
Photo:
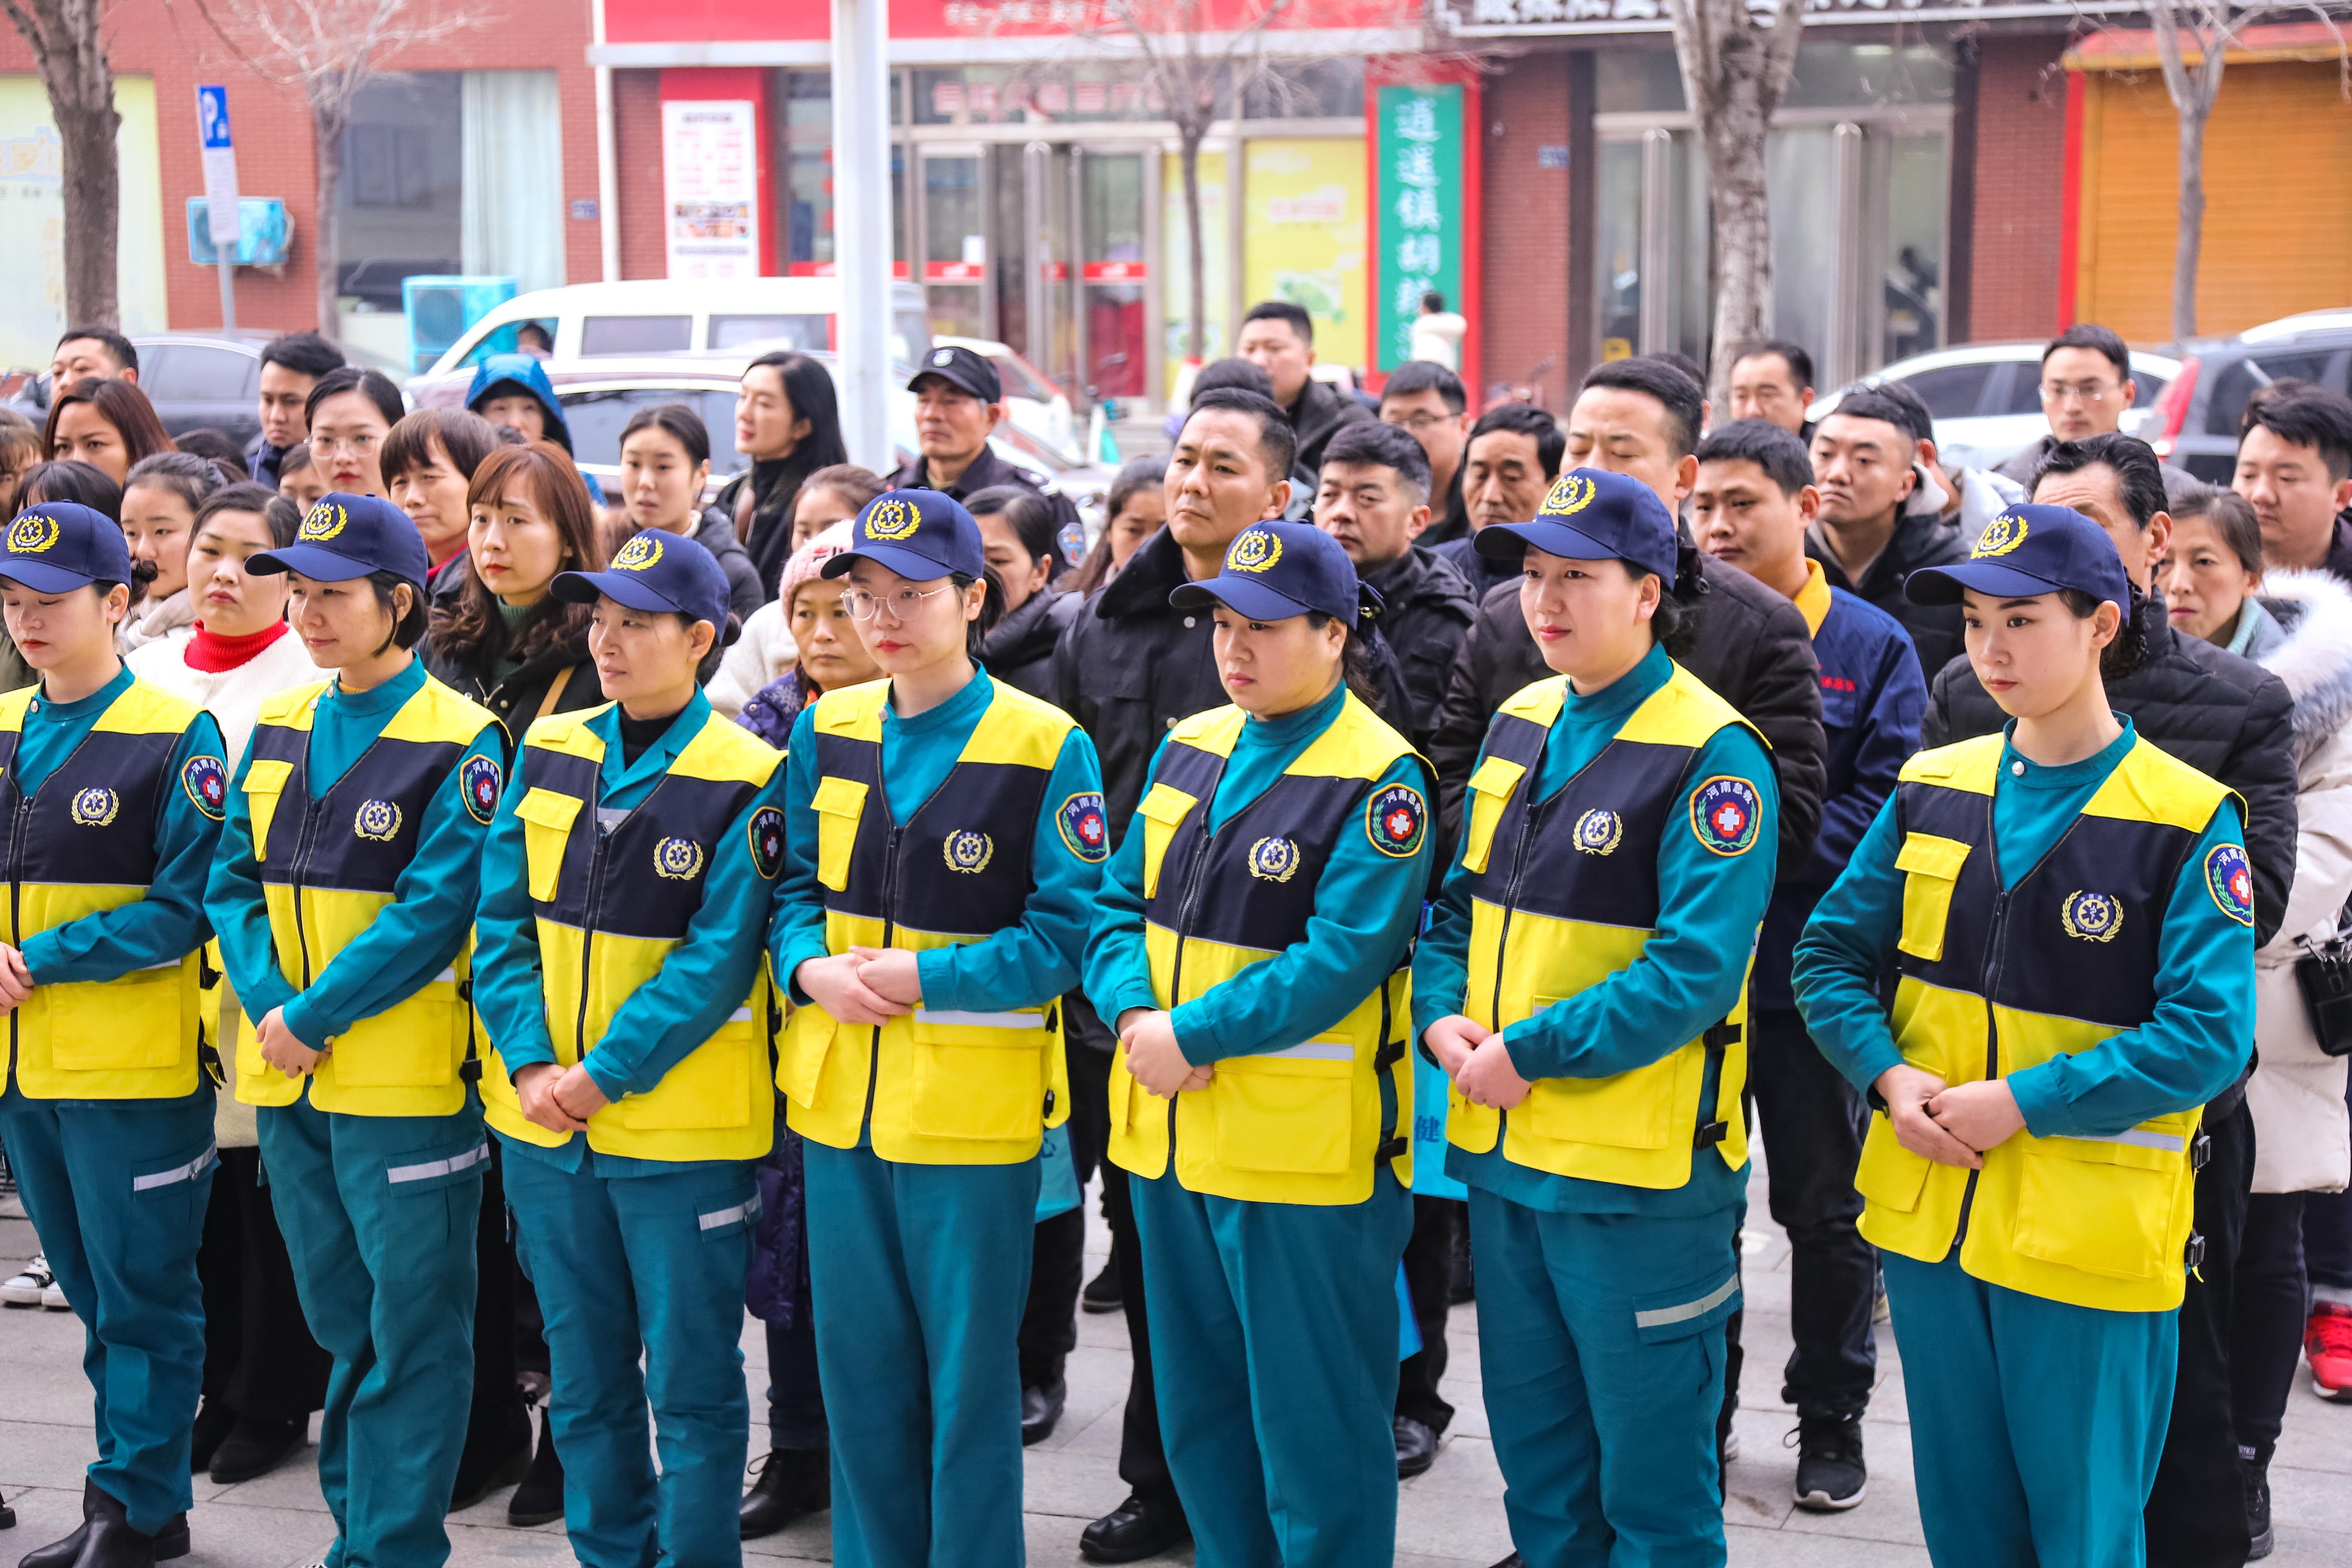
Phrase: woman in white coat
(2298, 626)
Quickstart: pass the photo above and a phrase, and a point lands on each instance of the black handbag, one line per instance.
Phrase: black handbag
(2323, 974)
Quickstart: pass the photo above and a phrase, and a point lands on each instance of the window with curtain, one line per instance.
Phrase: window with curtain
(512, 135)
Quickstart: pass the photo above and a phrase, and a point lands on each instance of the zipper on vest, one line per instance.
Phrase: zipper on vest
(1511, 893)
(15, 908)
(303, 843)
(890, 929)
(588, 930)
(1992, 1037)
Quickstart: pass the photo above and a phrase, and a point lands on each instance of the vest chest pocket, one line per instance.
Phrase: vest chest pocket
(1162, 809)
(1490, 791)
(547, 816)
(265, 782)
(838, 804)
(2114, 1207)
(980, 1076)
(138, 1020)
(1289, 1112)
(1931, 868)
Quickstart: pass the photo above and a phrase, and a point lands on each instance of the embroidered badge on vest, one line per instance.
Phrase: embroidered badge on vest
(1396, 819)
(767, 842)
(94, 806)
(1274, 859)
(1600, 832)
(206, 781)
(2232, 882)
(966, 850)
(1726, 814)
(480, 779)
(1084, 832)
(378, 820)
(679, 859)
(2094, 917)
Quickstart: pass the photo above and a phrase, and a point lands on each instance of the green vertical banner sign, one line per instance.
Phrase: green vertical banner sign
(1419, 210)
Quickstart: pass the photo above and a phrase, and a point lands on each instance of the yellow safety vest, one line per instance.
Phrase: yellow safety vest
(84, 843)
(1993, 982)
(1304, 1124)
(946, 1087)
(329, 866)
(1564, 894)
(611, 903)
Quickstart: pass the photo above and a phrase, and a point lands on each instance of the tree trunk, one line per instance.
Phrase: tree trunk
(327, 129)
(1196, 256)
(2193, 224)
(71, 53)
(1743, 233)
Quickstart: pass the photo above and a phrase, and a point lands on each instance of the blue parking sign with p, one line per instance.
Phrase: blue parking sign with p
(211, 116)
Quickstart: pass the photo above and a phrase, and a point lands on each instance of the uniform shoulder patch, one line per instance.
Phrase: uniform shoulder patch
(206, 778)
(1086, 833)
(2230, 882)
(1396, 819)
(766, 830)
(481, 779)
(1725, 815)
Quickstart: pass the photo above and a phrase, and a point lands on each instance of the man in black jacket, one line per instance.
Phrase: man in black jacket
(1279, 337)
(959, 402)
(1868, 537)
(2229, 717)
(1430, 401)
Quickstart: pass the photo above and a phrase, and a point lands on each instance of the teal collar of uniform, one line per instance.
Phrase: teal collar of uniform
(1293, 728)
(655, 758)
(2066, 775)
(379, 701)
(97, 701)
(964, 707)
(1613, 702)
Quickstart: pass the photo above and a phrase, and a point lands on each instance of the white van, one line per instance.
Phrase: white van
(662, 316)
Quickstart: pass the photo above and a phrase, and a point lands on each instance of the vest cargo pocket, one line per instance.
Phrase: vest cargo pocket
(1633, 1110)
(1289, 1115)
(711, 1088)
(1932, 868)
(976, 1081)
(265, 781)
(2104, 1208)
(1490, 791)
(801, 1065)
(1162, 809)
(1888, 1174)
(838, 804)
(127, 1023)
(547, 816)
(412, 1044)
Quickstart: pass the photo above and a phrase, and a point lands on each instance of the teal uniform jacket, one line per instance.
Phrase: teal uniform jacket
(1709, 907)
(1367, 903)
(414, 937)
(703, 980)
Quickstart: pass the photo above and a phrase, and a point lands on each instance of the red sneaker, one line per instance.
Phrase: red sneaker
(2328, 1342)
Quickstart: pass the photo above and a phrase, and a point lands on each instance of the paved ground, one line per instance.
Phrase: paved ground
(1450, 1518)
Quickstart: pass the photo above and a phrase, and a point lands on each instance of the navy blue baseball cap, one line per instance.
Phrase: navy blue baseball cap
(919, 534)
(1592, 514)
(962, 368)
(2026, 551)
(59, 546)
(347, 536)
(654, 571)
(1274, 571)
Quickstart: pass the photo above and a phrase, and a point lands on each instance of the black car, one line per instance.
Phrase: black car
(195, 380)
(2194, 425)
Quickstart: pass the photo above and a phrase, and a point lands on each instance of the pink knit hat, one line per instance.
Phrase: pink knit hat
(809, 557)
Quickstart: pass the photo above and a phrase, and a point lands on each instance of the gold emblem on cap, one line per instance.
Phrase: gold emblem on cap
(892, 519)
(32, 533)
(1569, 494)
(638, 555)
(2001, 535)
(323, 522)
(1256, 550)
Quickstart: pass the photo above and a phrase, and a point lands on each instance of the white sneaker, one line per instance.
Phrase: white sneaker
(54, 1298)
(25, 1288)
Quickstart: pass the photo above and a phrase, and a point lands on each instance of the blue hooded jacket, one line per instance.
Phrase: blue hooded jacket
(526, 374)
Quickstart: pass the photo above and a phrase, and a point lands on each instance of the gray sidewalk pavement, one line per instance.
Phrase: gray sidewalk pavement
(1450, 1518)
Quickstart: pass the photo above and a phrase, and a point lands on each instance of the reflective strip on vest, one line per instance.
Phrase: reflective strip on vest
(432, 1168)
(744, 1212)
(1665, 1317)
(177, 1174)
(2171, 1143)
(1315, 1053)
(951, 1016)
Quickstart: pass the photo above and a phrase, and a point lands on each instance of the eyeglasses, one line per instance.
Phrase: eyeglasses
(2093, 392)
(862, 604)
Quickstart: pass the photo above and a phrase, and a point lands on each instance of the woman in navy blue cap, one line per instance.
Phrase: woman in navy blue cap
(1583, 984)
(943, 837)
(344, 895)
(1250, 950)
(111, 793)
(2070, 915)
(623, 911)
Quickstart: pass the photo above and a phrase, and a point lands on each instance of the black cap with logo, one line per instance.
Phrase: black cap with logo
(960, 367)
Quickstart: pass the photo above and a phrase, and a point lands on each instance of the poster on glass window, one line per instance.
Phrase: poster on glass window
(710, 189)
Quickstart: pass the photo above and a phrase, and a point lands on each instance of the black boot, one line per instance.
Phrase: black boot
(2255, 1462)
(487, 1466)
(540, 1499)
(60, 1553)
(791, 1482)
(110, 1542)
(214, 1419)
(254, 1448)
(171, 1541)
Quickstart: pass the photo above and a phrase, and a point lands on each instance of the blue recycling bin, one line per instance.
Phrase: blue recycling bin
(440, 309)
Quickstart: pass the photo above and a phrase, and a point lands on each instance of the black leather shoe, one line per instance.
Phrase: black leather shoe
(495, 1458)
(60, 1553)
(8, 1517)
(1102, 1291)
(791, 1482)
(1416, 1446)
(255, 1448)
(214, 1419)
(108, 1540)
(540, 1499)
(171, 1541)
(1041, 1407)
(1136, 1529)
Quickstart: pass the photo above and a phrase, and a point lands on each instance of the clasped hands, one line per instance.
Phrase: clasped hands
(1153, 1056)
(1951, 1125)
(1473, 1056)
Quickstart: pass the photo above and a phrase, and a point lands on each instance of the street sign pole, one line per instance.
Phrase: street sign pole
(861, 188)
(220, 192)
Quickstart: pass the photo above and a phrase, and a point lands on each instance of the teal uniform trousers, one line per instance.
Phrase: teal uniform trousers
(1601, 1341)
(920, 1274)
(1273, 1348)
(2035, 1425)
(117, 1189)
(644, 1265)
(379, 1214)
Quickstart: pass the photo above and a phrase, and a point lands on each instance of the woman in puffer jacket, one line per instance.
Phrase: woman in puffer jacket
(2298, 626)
